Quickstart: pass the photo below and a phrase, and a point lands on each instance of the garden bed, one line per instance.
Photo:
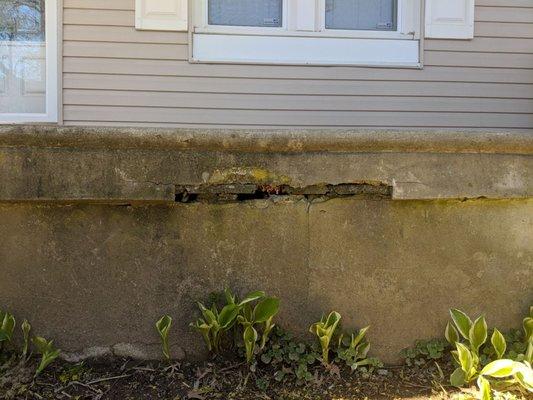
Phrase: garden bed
(217, 379)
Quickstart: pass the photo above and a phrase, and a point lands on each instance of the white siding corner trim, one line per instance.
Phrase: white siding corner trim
(304, 50)
(450, 19)
(161, 15)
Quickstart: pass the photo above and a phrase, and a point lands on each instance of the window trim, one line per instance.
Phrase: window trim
(202, 38)
(52, 71)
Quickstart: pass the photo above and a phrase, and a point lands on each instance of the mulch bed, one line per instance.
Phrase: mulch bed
(216, 379)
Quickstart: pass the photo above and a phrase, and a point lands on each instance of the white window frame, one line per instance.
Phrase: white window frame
(52, 78)
(300, 25)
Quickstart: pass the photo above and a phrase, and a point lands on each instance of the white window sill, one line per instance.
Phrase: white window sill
(21, 118)
(302, 50)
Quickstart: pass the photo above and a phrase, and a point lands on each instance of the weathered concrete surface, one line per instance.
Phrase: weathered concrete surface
(273, 141)
(143, 165)
(98, 276)
(128, 175)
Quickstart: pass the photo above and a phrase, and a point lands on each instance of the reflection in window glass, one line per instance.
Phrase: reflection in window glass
(265, 13)
(377, 15)
(22, 56)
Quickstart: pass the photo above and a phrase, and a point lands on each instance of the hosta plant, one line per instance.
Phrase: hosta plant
(257, 318)
(163, 328)
(353, 350)
(47, 351)
(505, 374)
(214, 324)
(325, 330)
(7, 327)
(468, 336)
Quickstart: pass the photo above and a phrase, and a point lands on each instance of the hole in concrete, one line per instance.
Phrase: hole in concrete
(246, 192)
(185, 197)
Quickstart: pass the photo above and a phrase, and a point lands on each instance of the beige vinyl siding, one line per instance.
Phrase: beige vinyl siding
(115, 75)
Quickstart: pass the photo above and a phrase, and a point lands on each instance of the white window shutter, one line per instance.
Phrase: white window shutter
(161, 15)
(450, 19)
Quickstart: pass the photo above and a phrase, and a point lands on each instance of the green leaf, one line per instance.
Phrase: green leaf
(362, 350)
(451, 334)
(41, 344)
(524, 376)
(163, 325)
(478, 333)
(8, 325)
(252, 296)
(465, 358)
(462, 322)
(230, 297)
(528, 327)
(266, 309)
(250, 338)
(484, 389)
(208, 314)
(227, 315)
(458, 378)
(499, 368)
(356, 340)
(333, 319)
(498, 342)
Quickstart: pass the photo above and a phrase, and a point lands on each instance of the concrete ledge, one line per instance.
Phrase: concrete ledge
(51, 164)
(279, 141)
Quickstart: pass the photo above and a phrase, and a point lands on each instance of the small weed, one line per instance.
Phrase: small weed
(424, 351)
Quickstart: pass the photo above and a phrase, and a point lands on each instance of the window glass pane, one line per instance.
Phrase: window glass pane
(378, 15)
(22, 56)
(245, 12)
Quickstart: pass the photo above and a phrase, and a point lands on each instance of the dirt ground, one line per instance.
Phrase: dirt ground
(127, 379)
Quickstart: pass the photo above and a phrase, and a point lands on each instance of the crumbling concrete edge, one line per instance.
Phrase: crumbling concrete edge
(279, 141)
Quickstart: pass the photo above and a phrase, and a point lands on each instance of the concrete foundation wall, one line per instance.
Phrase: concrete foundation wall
(94, 248)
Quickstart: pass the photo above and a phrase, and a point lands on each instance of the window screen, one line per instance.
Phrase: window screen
(376, 15)
(266, 13)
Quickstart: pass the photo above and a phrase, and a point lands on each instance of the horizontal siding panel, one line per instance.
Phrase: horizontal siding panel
(504, 14)
(270, 126)
(304, 87)
(183, 68)
(125, 50)
(495, 29)
(505, 3)
(98, 17)
(464, 59)
(491, 45)
(91, 33)
(296, 102)
(100, 4)
(302, 118)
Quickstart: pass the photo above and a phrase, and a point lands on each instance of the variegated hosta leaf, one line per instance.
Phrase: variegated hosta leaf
(462, 322)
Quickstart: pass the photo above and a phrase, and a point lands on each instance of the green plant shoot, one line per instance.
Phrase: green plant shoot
(324, 330)
(163, 327)
(26, 328)
(7, 326)
(47, 351)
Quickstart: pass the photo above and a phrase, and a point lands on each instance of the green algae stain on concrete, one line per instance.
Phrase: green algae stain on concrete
(248, 175)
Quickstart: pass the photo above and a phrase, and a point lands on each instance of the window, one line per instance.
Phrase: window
(245, 12)
(377, 15)
(332, 32)
(28, 59)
